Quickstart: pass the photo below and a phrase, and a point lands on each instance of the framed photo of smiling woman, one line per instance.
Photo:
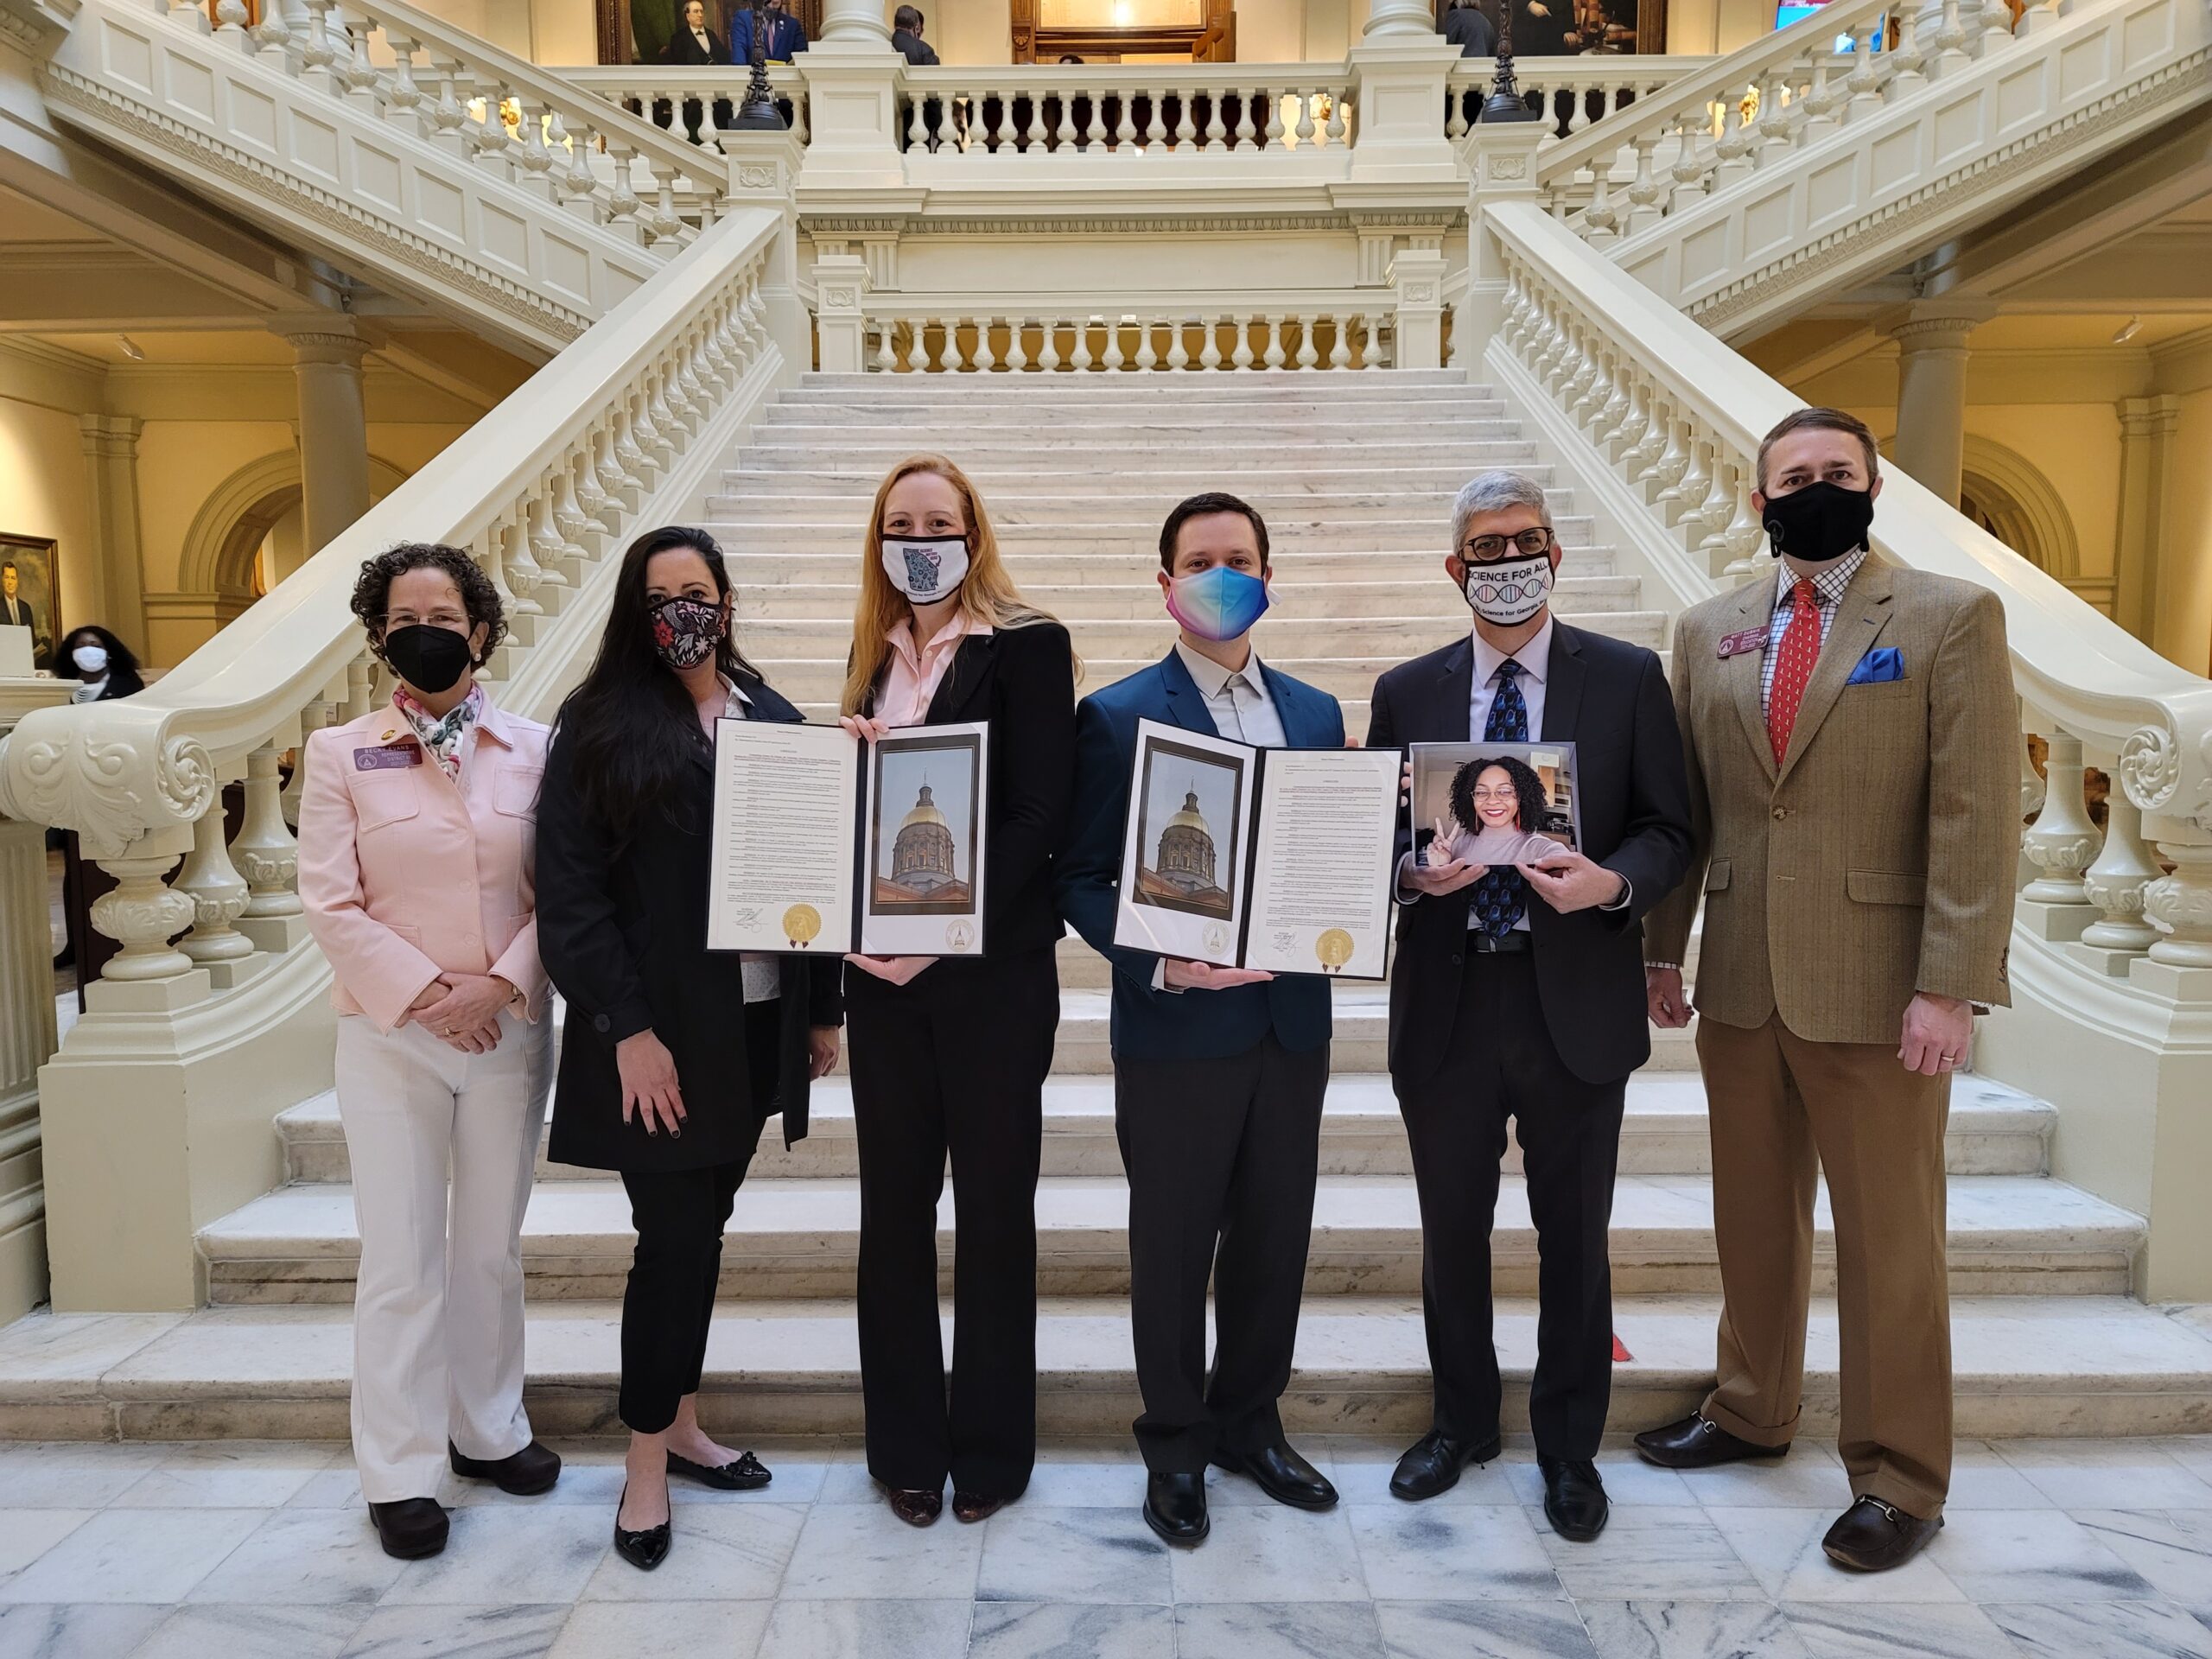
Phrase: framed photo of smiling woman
(1493, 803)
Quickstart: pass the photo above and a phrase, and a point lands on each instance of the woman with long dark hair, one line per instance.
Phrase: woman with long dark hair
(103, 664)
(949, 1054)
(672, 1058)
(1497, 808)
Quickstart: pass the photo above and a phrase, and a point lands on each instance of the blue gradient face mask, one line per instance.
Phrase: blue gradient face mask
(1217, 604)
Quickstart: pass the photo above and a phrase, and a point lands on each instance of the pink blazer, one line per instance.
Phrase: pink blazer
(406, 874)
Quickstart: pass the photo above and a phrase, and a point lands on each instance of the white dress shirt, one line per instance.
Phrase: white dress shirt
(763, 974)
(1237, 700)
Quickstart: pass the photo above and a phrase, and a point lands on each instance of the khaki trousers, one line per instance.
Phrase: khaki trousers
(1782, 1110)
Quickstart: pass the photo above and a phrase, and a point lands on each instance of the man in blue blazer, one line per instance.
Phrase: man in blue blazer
(787, 35)
(1218, 1073)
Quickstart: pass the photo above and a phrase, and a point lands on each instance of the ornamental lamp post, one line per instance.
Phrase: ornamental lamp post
(757, 113)
(1505, 102)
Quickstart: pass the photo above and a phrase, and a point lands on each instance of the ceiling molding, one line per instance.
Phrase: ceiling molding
(2183, 364)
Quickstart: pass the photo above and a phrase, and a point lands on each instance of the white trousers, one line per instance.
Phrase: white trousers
(437, 1306)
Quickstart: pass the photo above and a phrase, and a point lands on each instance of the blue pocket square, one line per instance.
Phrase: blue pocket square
(1879, 667)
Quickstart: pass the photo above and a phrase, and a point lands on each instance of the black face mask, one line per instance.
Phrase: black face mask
(428, 658)
(1818, 523)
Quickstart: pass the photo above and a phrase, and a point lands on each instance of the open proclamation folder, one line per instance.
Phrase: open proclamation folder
(1274, 859)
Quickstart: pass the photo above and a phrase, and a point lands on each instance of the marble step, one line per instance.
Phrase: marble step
(2010, 1235)
(1109, 525)
(1116, 451)
(827, 632)
(1134, 388)
(770, 562)
(1994, 1130)
(1362, 512)
(1170, 478)
(2024, 1366)
(1310, 602)
(1238, 432)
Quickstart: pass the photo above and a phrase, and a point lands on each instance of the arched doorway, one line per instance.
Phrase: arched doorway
(240, 531)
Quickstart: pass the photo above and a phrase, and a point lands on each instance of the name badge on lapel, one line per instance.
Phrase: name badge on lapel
(388, 759)
(1735, 645)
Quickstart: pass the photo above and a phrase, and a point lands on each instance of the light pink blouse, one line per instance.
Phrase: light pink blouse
(911, 679)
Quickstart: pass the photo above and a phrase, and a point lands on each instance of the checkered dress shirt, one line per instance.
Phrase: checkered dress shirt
(1827, 594)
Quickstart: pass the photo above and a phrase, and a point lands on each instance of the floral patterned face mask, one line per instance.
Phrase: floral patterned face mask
(686, 631)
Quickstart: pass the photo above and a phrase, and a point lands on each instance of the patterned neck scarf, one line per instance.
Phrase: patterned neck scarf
(441, 734)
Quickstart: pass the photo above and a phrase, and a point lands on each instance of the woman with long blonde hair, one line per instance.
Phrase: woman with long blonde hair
(949, 1055)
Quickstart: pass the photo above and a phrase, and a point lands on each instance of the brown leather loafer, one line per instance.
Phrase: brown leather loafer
(972, 1507)
(916, 1508)
(1871, 1537)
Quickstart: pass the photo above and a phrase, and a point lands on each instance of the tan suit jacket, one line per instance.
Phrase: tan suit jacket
(1878, 859)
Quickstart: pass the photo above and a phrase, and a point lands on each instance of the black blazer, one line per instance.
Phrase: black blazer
(1021, 680)
(682, 49)
(917, 51)
(1612, 700)
(622, 931)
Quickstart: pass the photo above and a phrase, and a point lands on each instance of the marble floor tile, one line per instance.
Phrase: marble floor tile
(229, 1474)
(1031, 1630)
(1272, 1554)
(1224, 1488)
(502, 1631)
(1087, 1476)
(1809, 1477)
(1361, 1469)
(1034, 1554)
(847, 1483)
(1629, 1479)
(338, 1487)
(498, 1557)
(2033, 1555)
(299, 1557)
(1782, 1549)
(2106, 1474)
(2192, 1451)
(1651, 1554)
(665, 1629)
(1689, 1630)
(1926, 1631)
(1277, 1629)
(1471, 1552)
(147, 1556)
(2171, 1549)
(2109, 1630)
(1982, 1479)
(1482, 1629)
(73, 1630)
(867, 1630)
(241, 1631)
(26, 1534)
(73, 1474)
(863, 1551)
(729, 1552)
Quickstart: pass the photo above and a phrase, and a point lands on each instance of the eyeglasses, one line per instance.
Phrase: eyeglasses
(1481, 550)
(1508, 794)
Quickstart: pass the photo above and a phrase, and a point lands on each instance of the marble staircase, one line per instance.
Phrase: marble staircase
(1356, 472)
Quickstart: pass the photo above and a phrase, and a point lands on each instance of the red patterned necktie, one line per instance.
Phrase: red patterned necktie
(1801, 648)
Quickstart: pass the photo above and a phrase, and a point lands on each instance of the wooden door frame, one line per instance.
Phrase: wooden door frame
(1211, 41)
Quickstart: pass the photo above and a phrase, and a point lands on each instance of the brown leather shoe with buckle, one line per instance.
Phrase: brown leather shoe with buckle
(1871, 1537)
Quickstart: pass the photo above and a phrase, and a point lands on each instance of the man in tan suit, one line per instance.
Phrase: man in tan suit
(1850, 730)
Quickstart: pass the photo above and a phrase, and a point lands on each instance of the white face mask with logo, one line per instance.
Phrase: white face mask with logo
(1508, 592)
(925, 568)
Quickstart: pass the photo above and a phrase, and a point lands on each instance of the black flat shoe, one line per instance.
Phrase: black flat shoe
(747, 1473)
(916, 1508)
(1432, 1465)
(527, 1473)
(1282, 1474)
(643, 1550)
(1574, 1497)
(411, 1528)
(1871, 1537)
(1693, 1443)
(1175, 1507)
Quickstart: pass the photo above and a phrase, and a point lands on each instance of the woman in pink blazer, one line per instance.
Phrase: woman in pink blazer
(418, 856)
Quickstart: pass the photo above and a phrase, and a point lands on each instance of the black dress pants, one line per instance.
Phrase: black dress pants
(679, 1215)
(952, 1062)
(1221, 1157)
(1501, 1063)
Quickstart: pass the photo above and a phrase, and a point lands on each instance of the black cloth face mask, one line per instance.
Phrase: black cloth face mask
(429, 658)
(1820, 523)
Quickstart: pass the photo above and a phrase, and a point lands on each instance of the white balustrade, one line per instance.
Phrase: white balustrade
(1036, 336)
(1112, 109)
(1571, 93)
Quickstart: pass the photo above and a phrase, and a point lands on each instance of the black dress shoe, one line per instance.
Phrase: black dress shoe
(1175, 1507)
(1282, 1474)
(1432, 1465)
(1693, 1443)
(745, 1474)
(645, 1549)
(1574, 1498)
(527, 1473)
(1871, 1537)
(411, 1528)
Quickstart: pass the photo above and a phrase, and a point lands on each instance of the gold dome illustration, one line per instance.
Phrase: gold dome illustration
(922, 852)
(1187, 853)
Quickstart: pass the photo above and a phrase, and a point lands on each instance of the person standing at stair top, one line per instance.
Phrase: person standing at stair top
(673, 1058)
(786, 36)
(950, 1056)
(1518, 992)
(1218, 1073)
(416, 875)
(1851, 744)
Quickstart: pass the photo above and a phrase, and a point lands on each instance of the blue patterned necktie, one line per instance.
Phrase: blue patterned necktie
(1502, 895)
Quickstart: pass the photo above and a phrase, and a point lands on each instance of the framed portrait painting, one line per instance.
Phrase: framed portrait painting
(30, 592)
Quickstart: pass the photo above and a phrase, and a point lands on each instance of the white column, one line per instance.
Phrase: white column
(111, 444)
(1400, 19)
(326, 357)
(858, 23)
(1931, 337)
(2146, 432)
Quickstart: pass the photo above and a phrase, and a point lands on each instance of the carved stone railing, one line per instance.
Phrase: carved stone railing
(2111, 963)
(397, 146)
(1573, 93)
(142, 1111)
(692, 103)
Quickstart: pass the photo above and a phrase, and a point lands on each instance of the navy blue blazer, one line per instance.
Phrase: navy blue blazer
(786, 36)
(1151, 1024)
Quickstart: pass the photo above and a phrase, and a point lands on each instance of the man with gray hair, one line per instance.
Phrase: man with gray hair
(1518, 988)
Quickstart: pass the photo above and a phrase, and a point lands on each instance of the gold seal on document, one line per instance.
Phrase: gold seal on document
(1334, 948)
(801, 924)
